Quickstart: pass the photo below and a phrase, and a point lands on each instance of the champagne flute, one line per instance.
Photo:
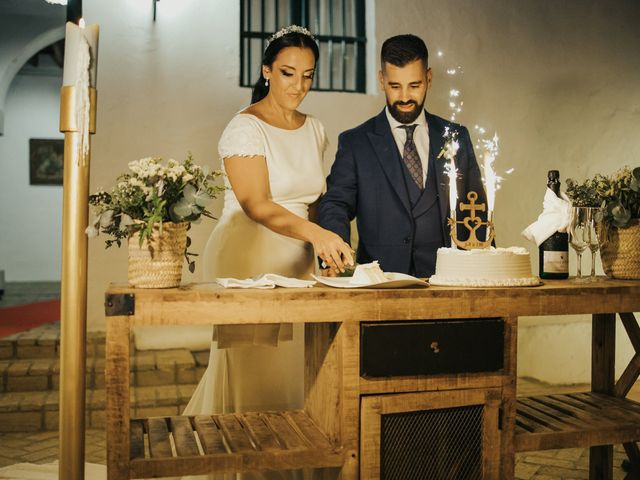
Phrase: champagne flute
(579, 236)
(595, 234)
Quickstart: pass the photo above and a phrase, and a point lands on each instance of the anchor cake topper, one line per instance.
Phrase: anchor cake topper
(472, 223)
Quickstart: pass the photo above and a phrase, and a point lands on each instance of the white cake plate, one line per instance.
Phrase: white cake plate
(394, 280)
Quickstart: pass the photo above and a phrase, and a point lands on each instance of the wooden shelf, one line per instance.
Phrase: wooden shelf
(575, 420)
(181, 445)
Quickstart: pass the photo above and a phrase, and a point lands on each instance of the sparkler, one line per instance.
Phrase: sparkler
(451, 172)
(449, 153)
(491, 179)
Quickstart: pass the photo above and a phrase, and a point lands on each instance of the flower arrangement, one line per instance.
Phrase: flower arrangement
(617, 194)
(152, 192)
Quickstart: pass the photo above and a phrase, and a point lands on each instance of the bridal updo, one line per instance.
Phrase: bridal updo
(291, 36)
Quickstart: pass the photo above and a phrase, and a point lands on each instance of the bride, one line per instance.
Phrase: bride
(272, 157)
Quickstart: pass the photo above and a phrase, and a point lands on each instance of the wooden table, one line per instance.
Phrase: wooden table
(340, 424)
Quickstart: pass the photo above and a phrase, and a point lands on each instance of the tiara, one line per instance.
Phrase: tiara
(287, 30)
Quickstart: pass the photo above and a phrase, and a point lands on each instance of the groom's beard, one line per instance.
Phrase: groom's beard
(406, 117)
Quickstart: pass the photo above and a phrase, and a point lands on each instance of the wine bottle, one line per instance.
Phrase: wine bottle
(554, 251)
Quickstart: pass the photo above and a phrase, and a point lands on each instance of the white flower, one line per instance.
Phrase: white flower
(106, 218)
(91, 231)
(125, 220)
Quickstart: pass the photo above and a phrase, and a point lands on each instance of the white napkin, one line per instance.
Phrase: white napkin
(268, 280)
(555, 217)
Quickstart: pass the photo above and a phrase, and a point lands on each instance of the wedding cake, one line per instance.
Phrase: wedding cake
(492, 267)
(368, 273)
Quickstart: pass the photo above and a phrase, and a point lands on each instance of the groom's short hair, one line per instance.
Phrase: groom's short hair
(402, 50)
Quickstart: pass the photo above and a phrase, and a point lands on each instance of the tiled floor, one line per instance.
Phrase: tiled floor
(42, 447)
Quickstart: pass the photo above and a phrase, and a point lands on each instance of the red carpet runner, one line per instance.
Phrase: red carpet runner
(24, 317)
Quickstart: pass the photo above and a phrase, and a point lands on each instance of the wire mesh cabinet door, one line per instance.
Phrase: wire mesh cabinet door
(431, 436)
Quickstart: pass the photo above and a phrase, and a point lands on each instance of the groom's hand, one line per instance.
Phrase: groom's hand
(328, 272)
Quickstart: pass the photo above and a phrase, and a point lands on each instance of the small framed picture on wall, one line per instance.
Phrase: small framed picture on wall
(46, 161)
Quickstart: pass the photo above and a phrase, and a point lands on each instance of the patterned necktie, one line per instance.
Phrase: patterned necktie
(411, 158)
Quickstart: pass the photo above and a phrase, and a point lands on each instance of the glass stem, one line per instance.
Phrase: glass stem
(593, 264)
(579, 271)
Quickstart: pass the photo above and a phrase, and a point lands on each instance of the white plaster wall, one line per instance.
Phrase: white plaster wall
(557, 81)
(22, 34)
(30, 216)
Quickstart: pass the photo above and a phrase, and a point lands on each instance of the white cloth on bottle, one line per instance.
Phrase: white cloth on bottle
(555, 217)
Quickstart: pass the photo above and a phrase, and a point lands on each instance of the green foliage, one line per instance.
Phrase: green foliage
(617, 194)
(152, 192)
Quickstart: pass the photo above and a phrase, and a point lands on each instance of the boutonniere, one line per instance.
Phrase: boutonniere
(451, 145)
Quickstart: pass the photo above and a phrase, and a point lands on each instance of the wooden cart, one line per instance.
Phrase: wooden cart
(386, 372)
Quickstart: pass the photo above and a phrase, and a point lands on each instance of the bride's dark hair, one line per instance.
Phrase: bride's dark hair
(292, 39)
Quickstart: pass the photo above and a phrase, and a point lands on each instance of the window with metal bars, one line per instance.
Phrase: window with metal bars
(337, 25)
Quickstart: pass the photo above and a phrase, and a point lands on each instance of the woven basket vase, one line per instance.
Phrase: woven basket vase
(161, 265)
(621, 253)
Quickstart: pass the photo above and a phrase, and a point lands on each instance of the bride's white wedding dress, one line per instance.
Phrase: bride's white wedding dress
(256, 368)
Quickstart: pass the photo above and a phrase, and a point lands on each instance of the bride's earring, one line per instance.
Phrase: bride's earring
(266, 82)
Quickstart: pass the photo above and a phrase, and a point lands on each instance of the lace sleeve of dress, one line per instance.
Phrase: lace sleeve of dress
(242, 137)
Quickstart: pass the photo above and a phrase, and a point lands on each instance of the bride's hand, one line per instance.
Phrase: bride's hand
(332, 249)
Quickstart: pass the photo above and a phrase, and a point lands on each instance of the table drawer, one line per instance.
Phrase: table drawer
(389, 349)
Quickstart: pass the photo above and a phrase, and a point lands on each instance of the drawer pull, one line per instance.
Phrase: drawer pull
(435, 347)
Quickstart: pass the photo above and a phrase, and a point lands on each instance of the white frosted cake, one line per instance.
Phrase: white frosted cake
(368, 273)
(494, 267)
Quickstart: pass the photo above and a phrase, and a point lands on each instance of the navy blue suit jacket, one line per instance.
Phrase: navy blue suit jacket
(366, 182)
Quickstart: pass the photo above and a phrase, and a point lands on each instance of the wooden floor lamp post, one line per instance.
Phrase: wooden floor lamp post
(77, 122)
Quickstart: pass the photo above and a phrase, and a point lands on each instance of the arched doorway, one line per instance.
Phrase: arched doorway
(31, 211)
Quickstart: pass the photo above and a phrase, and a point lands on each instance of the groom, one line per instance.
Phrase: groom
(387, 175)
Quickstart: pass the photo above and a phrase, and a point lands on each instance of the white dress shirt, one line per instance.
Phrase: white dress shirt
(420, 138)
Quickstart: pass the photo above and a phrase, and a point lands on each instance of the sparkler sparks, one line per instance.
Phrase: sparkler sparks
(491, 179)
(455, 104)
(451, 172)
(488, 147)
